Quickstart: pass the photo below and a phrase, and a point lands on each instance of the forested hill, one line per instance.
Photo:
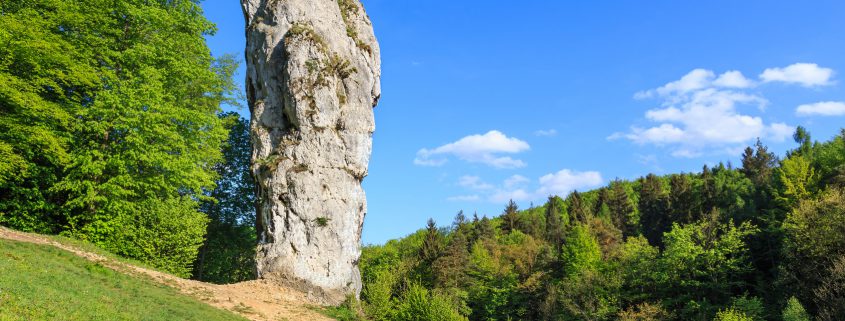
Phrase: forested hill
(765, 241)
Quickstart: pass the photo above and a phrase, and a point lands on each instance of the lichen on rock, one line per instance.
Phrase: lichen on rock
(313, 74)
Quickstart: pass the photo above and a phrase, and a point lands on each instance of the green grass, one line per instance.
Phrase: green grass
(349, 310)
(40, 282)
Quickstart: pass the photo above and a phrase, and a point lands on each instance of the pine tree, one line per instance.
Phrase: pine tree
(449, 266)
(577, 209)
(681, 200)
(554, 224)
(432, 243)
(621, 209)
(758, 163)
(510, 217)
(654, 214)
(460, 221)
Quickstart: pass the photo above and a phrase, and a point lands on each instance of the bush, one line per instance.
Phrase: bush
(794, 311)
(418, 304)
(163, 233)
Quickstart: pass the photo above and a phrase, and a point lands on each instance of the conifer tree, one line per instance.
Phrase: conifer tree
(554, 225)
(681, 200)
(577, 209)
(621, 209)
(510, 217)
(654, 212)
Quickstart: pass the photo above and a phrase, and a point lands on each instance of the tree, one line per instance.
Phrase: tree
(805, 141)
(704, 263)
(554, 223)
(622, 209)
(510, 217)
(228, 253)
(114, 106)
(449, 267)
(707, 191)
(794, 311)
(682, 205)
(796, 180)
(432, 244)
(581, 251)
(814, 239)
(732, 315)
(758, 163)
(830, 294)
(418, 304)
(653, 209)
(577, 209)
(644, 312)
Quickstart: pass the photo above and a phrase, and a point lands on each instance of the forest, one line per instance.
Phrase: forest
(762, 241)
(112, 132)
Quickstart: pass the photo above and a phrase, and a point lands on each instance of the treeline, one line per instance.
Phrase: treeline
(765, 241)
(111, 132)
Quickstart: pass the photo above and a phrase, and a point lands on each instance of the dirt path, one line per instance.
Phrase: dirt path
(255, 300)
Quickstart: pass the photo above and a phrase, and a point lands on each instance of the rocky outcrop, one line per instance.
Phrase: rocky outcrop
(312, 81)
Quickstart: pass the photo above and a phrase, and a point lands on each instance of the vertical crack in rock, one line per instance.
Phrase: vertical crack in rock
(312, 81)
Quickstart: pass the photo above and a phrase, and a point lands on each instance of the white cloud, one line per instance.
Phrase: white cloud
(521, 188)
(701, 113)
(565, 181)
(546, 132)
(733, 79)
(824, 108)
(805, 74)
(515, 180)
(485, 149)
(473, 182)
(780, 131)
(698, 79)
(464, 198)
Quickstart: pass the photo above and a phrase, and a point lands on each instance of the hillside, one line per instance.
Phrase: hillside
(70, 280)
(760, 241)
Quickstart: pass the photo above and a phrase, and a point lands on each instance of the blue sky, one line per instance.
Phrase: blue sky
(489, 100)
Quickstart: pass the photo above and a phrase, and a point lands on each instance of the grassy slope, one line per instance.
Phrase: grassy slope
(40, 282)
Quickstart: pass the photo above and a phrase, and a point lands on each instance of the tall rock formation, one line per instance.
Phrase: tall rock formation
(312, 81)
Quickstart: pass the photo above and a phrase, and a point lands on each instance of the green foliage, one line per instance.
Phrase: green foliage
(228, 253)
(752, 307)
(61, 286)
(108, 115)
(644, 312)
(704, 263)
(349, 310)
(794, 311)
(581, 251)
(723, 244)
(796, 181)
(419, 304)
(165, 234)
(732, 315)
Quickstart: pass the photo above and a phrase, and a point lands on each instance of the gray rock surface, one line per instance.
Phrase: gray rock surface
(312, 81)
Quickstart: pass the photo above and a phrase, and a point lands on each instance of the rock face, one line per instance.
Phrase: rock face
(312, 81)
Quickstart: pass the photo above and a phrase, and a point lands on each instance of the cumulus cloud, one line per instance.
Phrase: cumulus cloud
(733, 79)
(698, 79)
(485, 149)
(565, 181)
(824, 108)
(805, 74)
(545, 132)
(703, 112)
(521, 188)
